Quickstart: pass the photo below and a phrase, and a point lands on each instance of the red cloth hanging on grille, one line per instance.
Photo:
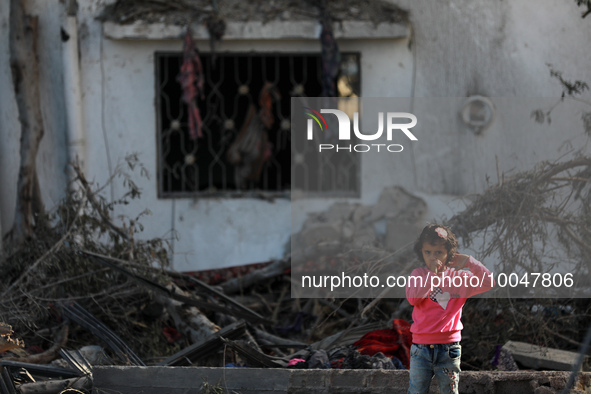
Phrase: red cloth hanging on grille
(191, 79)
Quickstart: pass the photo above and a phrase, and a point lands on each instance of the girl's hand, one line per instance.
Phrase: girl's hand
(436, 266)
(458, 262)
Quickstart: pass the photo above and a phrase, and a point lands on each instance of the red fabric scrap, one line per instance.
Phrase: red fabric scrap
(268, 95)
(216, 276)
(191, 79)
(171, 334)
(392, 342)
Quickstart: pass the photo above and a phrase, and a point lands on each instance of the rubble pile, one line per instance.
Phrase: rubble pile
(84, 291)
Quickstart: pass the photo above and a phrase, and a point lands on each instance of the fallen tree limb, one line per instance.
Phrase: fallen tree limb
(59, 341)
(232, 308)
(192, 323)
(275, 340)
(274, 269)
(203, 348)
(56, 386)
(254, 357)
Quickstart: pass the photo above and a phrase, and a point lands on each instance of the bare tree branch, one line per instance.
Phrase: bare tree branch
(25, 76)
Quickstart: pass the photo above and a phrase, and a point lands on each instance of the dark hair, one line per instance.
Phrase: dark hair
(431, 235)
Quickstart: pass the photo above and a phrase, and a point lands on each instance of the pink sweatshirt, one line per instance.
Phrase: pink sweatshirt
(438, 300)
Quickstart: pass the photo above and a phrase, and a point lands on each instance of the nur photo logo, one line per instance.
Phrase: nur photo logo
(314, 115)
(390, 121)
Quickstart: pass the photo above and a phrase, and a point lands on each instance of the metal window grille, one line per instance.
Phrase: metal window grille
(233, 81)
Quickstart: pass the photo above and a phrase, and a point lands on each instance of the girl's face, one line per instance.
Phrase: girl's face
(435, 256)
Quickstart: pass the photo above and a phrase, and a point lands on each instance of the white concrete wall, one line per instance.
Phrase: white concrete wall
(460, 48)
(497, 49)
(212, 232)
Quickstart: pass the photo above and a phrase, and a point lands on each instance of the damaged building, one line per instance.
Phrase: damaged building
(176, 194)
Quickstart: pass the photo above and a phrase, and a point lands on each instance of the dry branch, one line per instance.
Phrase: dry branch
(535, 221)
(193, 324)
(45, 269)
(523, 212)
(59, 341)
(33, 266)
(95, 204)
(275, 340)
(172, 292)
(25, 75)
(271, 271)
(7, 343)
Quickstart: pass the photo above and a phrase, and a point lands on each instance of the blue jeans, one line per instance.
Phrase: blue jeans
(442, 360)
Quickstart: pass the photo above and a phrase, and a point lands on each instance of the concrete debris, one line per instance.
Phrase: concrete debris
(250, 320)
(365, 232)
(286, 380)
(542, 358)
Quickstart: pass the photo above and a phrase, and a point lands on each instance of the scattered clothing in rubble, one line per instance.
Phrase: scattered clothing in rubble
(232, 365)
(381, 361)
(297, 363)
(357, 361)
(348, 357)
(394, 342)
(319, 359)
(337, 356)
(344, 357)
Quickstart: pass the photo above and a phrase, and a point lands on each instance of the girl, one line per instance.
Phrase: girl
(438, 300)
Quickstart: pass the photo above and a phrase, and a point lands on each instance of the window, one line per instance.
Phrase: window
(236, 156)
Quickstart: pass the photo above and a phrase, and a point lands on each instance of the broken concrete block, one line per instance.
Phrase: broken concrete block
(340, 211)
(364, 238)
(95, 355)
(360, 213)
(396, 203)
(537, 357)
(389, 225)
(348, 229)
(320, 232)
